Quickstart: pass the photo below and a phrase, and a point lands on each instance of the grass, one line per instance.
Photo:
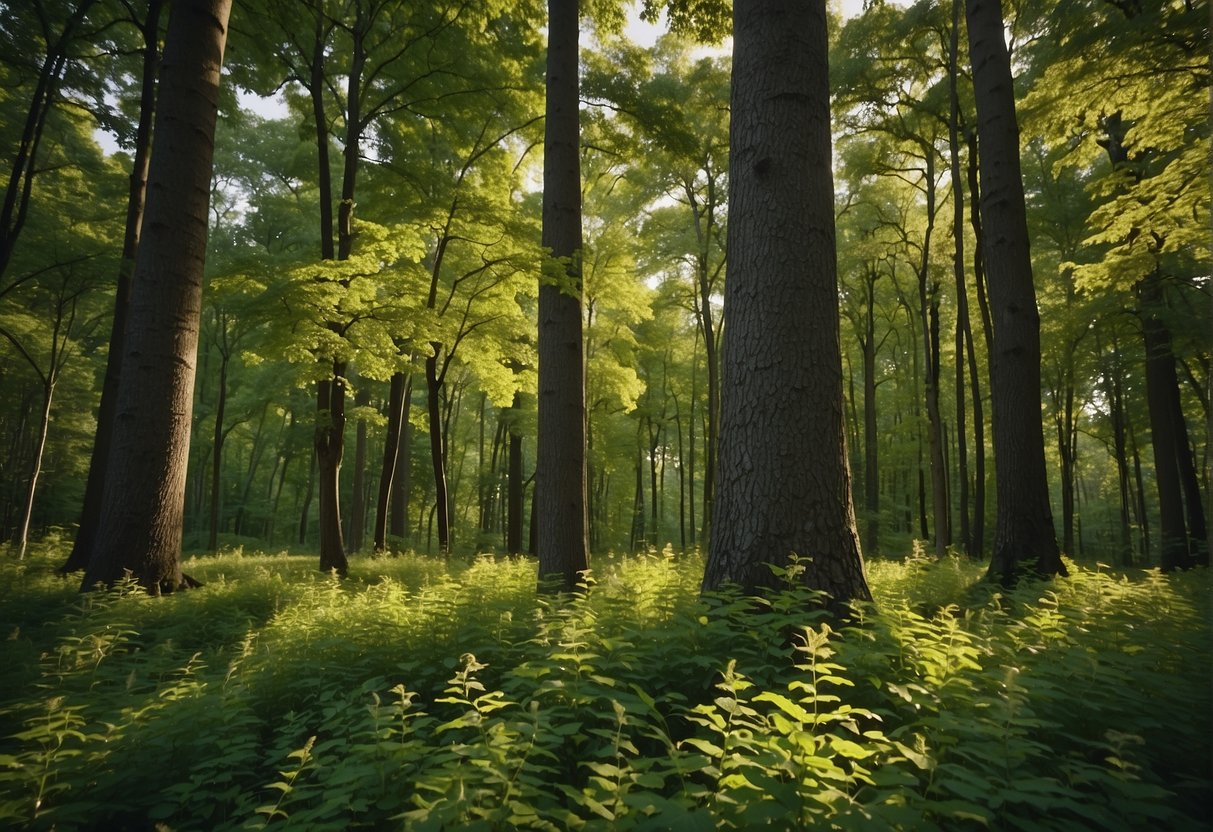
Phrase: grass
(422, 694)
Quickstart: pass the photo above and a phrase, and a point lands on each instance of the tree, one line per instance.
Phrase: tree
(1024, 533)
(90, 512)
(560, 478)
(141, 527)
(784, 486)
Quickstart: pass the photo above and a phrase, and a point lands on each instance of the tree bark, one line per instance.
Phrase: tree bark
(513, 536)
(144, 499)
(438, 453)
(358, 504)
(1024, 532)
(391, 450)
(958, 271)
(784, 488)
(330, 448)
(402, 480)
(90, 512)
(562, 538)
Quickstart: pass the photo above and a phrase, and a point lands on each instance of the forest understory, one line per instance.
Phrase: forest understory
(428, 693)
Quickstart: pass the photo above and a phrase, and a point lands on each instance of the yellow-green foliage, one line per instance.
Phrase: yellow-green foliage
(420, 694)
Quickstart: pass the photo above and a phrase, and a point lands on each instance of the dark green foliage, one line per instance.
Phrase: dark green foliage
(419, 695)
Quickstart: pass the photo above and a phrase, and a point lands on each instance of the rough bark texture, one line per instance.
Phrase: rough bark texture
(90, 513)
(144, 498)
(1024, 533)
(783, 486)
(561, 538)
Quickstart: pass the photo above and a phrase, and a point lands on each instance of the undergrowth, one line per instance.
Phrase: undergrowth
(425, 695)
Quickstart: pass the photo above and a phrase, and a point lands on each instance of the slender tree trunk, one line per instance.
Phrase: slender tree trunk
(90, 513)
(402, 480)
(391, 451)
(1025, 533)
(958, 271)
(638, 533)
(358, 505)
(513, 542)
(871, 449)
(561, 462)
(305, 512)
(438, 453)
(928, 312)
(144, 499)
(44, 425)
(783, 487)
(220, 435)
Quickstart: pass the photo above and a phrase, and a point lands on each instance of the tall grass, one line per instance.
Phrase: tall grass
(420, 694)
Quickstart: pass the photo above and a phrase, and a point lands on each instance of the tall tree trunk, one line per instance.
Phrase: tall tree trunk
(638, 534)
(928, 313)
(1168, 432)
(438, 453)
(871, 450)
(561, 460)
(330, 448)
(144, 499)
(958, 271)
(402, 480)
(783, 487)
(391, 450)
(1024, 534)
(513, 537)
(305, 512)
(212, 542)
(90, 512)
(358, 505)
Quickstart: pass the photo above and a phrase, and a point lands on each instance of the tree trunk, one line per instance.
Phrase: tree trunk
(438, 453)
(90, 513)
(513, 537)
(958, 271)
(358, 504)
(871, 450)
(784, 488)
(1024, 533)
(1168, 435)
(391, 450)
(220, 434)
(330, 447)
(144, 499)
(561, 460)
(402, 479)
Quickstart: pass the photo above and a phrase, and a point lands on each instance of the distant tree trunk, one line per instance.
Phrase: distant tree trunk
(638, 535)
(305, 512)
(1120, 450)
(513, 537)
(1025, 533)
(438, 453)
(90, 513)
(358, 505)
(220, 435)
(871, 449)
(141, 526)
(783, 487)
(391, 450)
(402, 480)
(561, 460)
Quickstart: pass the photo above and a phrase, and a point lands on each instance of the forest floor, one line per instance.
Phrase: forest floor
(429, 694)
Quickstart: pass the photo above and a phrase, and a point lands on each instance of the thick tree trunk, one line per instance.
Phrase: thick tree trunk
(1024, 533)
(783, 485)
(1168, 436)
(561, 459)
(90, 513)
(141, 526)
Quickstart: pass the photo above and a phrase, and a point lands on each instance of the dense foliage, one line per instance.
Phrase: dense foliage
(424, 694)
